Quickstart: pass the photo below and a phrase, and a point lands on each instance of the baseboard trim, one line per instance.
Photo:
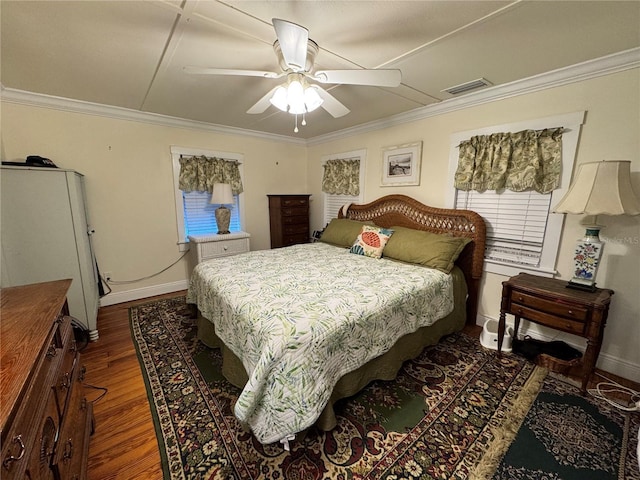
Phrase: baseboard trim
(145, 292)
(607, 362)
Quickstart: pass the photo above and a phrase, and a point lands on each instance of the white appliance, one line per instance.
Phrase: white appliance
(45, 235)
(489, 336)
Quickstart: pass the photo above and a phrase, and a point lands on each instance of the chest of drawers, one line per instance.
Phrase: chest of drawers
(45, 417)
(548, 302)
(288, 219)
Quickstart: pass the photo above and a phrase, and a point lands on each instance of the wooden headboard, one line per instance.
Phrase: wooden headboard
(404, 211)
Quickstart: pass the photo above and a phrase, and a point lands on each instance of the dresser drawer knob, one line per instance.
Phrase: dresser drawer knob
(65, 383)
(225, 248)
(519, 311)
(68, 450)
(521, 299)
(570, 312)
(52, 351)
(6, 463)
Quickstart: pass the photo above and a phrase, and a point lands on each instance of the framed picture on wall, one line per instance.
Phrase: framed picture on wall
(401, 164)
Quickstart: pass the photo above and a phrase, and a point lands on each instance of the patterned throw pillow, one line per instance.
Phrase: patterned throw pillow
(371, 241)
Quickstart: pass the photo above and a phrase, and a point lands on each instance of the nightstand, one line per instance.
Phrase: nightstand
(548, 302)
(206, 247)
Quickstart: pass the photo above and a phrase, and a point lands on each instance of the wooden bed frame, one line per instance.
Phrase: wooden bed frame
(389, 211)
(403, 211)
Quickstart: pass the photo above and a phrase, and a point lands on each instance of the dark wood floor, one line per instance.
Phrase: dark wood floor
(124, 444)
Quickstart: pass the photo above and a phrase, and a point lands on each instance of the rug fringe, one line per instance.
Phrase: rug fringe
(506, 433)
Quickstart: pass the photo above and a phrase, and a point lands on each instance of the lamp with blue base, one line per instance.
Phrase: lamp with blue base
(586, 259)
(600, 188)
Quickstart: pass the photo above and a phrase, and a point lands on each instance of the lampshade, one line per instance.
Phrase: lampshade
(222, 194)
(601, 188)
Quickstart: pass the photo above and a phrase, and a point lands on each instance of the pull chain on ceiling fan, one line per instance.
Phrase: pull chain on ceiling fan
(296, 56)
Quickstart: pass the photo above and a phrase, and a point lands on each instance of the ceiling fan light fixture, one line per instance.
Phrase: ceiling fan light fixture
(297, 108)
(279, 99)
(295, 91)
(296, 97)
(296, 55)
(312, 99)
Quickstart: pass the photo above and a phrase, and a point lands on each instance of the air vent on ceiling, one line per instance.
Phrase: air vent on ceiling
(467, 87)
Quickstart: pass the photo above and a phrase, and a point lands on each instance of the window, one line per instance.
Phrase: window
(194, 214)
(516, 223)
(523, 233)
(199, 214)
(333, 202)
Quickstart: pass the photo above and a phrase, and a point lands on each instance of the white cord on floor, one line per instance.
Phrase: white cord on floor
(601, 392)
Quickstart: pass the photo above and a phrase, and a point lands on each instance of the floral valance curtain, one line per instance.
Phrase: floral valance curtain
(200, 173)
(342, 177)
(530, 159)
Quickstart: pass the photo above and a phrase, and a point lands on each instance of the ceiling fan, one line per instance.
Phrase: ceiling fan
(296, 54)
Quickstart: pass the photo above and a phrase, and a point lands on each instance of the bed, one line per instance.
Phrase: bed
(298, 337)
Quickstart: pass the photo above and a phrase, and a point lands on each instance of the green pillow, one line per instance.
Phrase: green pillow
(425, 248)
(341, 232)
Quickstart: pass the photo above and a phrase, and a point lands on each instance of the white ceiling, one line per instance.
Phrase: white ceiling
(131, 54)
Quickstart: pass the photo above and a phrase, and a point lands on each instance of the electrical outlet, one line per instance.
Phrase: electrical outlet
(107, 276)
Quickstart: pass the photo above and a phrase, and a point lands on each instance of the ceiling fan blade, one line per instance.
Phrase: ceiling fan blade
(227, 71)
(293, 41)
(377, 78)
(330, 103)
(264, 103)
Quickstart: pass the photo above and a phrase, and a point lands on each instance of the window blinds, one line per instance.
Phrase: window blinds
(516, 223)
(200, 216)
(333, 203)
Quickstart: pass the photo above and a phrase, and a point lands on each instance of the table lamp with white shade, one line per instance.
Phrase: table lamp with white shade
(222, 196)
(600, 188)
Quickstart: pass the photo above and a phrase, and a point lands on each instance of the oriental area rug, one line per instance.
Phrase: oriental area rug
(455, 412)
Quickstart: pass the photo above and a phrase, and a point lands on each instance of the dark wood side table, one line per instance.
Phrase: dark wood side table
(549, 302)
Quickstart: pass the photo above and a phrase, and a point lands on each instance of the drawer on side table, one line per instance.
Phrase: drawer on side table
(222, 249)
(562, 316)
(207, 247)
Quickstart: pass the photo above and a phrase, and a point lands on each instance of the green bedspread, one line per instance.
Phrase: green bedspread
(301, 317)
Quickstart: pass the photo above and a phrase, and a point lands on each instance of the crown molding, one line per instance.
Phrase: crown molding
(23, 97)
(607, 65)
(614, 63)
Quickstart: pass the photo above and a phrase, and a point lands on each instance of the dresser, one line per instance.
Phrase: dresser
(548, 302)
(206, 247)
(45, 418)
(289, 219)
(46, 236)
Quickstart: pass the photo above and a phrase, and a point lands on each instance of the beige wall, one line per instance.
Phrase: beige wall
(130, 186)
(611, 131)
(129, 182)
